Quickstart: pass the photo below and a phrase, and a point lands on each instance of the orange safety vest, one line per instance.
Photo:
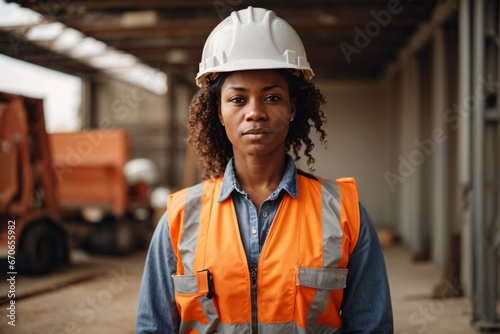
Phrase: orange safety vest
(302, 266)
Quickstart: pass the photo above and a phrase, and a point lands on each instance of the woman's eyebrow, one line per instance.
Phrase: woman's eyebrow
(239, 89)
(265, 89)
(243, 89)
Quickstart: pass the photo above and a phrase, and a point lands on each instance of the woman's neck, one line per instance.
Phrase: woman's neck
(258, 176)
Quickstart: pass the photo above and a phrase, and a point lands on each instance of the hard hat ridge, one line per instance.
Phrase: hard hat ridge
(253, 38)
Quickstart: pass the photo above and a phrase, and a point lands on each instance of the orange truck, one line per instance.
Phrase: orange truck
(64, 190)
(32, 233)
(107, 211)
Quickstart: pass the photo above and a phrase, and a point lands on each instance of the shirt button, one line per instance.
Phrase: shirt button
(254, 231)
(264, 214)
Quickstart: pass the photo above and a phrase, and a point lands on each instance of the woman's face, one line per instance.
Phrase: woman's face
(256, 110)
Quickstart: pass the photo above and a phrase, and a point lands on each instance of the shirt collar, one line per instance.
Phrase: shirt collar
(287, 183)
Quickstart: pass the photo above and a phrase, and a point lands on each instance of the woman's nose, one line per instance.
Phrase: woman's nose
(256, 111)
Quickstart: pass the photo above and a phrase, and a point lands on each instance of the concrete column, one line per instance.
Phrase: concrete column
(464, 139)
(410, 188)
(438, 140)
(172, 148)
(88, 110)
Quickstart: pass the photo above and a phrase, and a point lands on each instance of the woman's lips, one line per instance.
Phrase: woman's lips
(257, 133)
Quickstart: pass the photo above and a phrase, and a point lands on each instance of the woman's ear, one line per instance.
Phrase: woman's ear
(220, 116)
(293, 108)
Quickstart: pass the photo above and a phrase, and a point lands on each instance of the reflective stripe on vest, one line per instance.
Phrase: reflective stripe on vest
(302, 265)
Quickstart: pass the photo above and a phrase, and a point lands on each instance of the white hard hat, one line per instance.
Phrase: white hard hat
(159, 197)
(251, 39)
(141, 169)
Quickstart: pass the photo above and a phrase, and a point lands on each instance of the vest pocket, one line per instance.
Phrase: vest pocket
(196, 310)
(319, 292)
(322, 278)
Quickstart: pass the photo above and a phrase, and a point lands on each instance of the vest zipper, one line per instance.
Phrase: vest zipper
(253, 272)
(253, 284)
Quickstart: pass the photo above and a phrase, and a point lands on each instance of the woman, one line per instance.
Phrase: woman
(260, 246)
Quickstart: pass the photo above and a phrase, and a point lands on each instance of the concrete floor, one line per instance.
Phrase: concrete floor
(96, 295)
(415, 311)
(99, 295)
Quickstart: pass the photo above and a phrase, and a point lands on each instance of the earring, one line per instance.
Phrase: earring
(291, 119)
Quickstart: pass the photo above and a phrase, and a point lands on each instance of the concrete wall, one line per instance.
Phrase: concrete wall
(143, 114)
(124, 105)
(360, 137)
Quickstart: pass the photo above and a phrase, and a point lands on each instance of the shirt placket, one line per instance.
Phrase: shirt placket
(259, 226)
(254, 235)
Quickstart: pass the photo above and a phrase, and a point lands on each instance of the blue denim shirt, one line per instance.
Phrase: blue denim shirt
(366, 305)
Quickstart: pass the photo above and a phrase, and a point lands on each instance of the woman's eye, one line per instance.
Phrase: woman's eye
(272, 98)
(237, 99)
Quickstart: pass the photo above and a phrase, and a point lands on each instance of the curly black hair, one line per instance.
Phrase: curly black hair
(209, 138)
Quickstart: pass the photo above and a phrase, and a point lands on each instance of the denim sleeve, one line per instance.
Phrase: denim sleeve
(366, 306)
(157, 311)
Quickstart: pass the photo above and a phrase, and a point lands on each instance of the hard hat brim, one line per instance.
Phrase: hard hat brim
(251, 64)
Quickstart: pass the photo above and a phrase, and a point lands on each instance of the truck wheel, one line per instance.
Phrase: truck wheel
(118, 238)
(125, 240)
(42, 248)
